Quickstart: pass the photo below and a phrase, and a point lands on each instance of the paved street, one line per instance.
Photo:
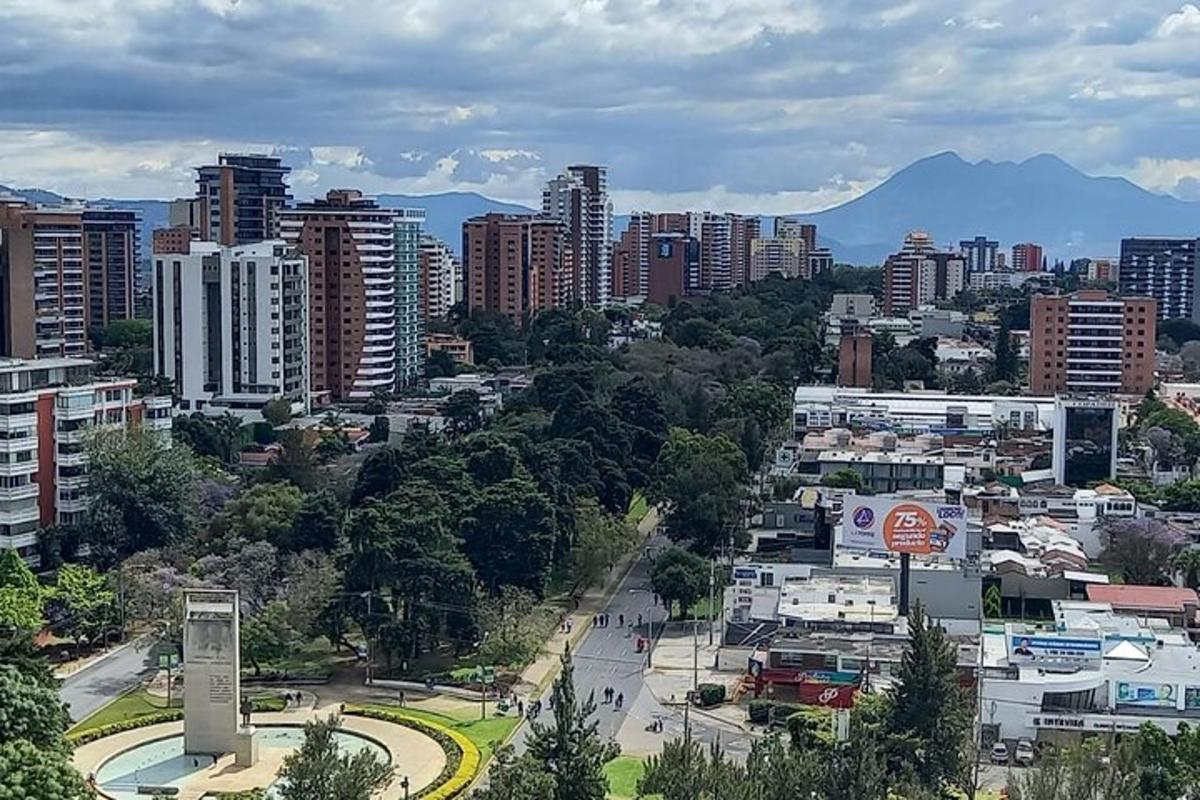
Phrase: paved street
(101, 683)
(609, 657)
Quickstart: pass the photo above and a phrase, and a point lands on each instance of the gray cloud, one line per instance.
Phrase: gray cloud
(737, 100)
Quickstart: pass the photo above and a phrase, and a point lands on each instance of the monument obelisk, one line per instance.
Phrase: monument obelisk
(212, 677)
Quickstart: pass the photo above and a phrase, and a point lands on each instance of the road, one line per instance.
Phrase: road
(99, 684)
(608, 657)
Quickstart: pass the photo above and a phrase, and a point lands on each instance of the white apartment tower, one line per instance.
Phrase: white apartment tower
(231, 325)
(579, 198)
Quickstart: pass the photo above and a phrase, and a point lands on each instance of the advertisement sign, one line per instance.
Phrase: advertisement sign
(1191, 697)
(1028, 648)
(816, 694)
(1146, 694)
(905, 526)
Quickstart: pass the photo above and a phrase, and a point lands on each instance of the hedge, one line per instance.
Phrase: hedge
(261, 704)
(462, 756)
(711, 694)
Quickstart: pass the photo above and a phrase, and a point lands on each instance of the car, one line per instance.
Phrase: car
(1023, 755)
(999, 753)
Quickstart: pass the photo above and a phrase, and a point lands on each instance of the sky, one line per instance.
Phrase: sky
(756, 106)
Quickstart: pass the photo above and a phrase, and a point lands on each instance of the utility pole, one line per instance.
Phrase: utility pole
(695, 655)
(368, 637)
(712, 597)
(978, 707)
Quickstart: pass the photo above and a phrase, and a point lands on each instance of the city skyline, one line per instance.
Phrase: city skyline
(770, 111)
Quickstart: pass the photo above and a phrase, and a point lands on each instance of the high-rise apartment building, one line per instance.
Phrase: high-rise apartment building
(579, 199)
(47, 408)
(1102, 270)
(786, 257)
(410, 324)
(44, 310)
(920, 274)
(819, 260)
(350, 243)
(1089, 342)
(440, 275)
(240, 198)
(1027, 257)
(980, 253)
(791, 228)
(185, 212)
(1164, 269)
(112, 251)
(743, 231)
(673, 257)
(230, 324)
(516, 264)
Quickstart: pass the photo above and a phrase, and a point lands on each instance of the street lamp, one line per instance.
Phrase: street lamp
(404, 786)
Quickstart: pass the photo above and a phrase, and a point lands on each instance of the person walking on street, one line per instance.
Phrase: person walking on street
(620, 701)
(620, 620)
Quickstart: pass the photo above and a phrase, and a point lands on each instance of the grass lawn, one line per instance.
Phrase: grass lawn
(485, 733)
(637, 509)
(623, 773)
(138, 703)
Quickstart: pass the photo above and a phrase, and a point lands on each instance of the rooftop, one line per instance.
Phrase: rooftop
(1149, 598)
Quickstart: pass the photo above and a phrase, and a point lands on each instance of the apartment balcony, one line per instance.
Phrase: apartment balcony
(72, 506)
(75, 413)
(14, 468)
(21, 540)
(77, 482)
(71, 459)
(9, 494)
(76, 436)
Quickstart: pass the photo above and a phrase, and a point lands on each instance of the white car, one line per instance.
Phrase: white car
(999, 753)
(1024, 753)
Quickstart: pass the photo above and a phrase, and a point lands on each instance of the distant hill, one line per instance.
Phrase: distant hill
(445, 212)
(1042, 199)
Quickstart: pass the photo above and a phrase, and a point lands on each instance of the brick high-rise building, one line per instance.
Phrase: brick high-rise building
(743, 231)
(579, 199)
(516, 264)
(786, 257)
(673, 257)
(240, 198)
(350, 243)
(440, 275)
(112, 250)
(920, 274)
(1090, 342)
(854, 359)
(1027, 257)
(42, 258)
(1164, 269)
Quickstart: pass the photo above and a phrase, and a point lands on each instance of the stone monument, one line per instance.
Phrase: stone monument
(211, 684)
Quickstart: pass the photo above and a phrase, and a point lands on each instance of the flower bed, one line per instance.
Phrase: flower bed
(462, 756)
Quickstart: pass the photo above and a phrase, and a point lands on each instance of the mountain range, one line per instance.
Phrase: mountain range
(1042, 199)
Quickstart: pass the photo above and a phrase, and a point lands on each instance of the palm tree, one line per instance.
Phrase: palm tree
(1187, 563)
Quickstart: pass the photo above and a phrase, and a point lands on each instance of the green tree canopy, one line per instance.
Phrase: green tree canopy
(30, 710)
(320, 770)
(21, 596)
(509, 535)
(679, 576)
(30, 772)
(82, 605)
(701, 480)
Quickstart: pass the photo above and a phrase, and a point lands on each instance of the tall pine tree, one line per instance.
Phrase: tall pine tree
(570, 747)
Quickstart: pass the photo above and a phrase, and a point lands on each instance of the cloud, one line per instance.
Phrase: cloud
(1177, 176)
(757, 103)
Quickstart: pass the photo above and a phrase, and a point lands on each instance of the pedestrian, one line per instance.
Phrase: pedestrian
(639, 620)
(596, 621)
(620, 700)
(402, 698)
(592, 696)
(520, 708)
(620, 620)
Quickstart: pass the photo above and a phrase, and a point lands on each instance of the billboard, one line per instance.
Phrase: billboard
(1025, 648)
(1146, 694)
(905, 526)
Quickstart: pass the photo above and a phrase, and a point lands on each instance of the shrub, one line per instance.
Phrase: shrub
(711, 694)
(92, 734)
(760, 710)
(462, 756)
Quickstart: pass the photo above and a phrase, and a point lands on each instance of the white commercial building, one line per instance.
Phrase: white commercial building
(821, 407)
(231, 325)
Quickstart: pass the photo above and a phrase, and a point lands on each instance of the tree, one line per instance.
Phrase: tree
(318, 523)
(143, 493)
(701, 480)
(844, 479)
(1004, 368)
(30, 710)
(463, 412)
(600, 539)
(509, 535)
(29, 772)
(504, 619)
(516, 778)
(1090, 770)
(19, 650)
(1187, 563)
(440, 364)
(930, 711)
(312, 581)
(82, 604)
(295, 462)
(679, 576)
(20, 595)
(252, 568)
(320, 770)
(571, 748)
(380, 430)
(1142, 549)
(268, 636)
(265, 512)
(277, 411)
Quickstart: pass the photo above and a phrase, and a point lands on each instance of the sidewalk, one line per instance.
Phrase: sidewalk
(536, 678)
(69, 668)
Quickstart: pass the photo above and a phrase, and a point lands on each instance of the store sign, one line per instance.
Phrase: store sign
(1027, 649)
(1060, 723)
(1146, 694)
(1092, 722)
(1191, 697)
(903, 526)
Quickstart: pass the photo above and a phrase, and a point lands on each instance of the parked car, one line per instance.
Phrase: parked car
(999, 753)
(1024, 753)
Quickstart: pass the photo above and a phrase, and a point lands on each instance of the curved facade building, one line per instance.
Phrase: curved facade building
(350, 244)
